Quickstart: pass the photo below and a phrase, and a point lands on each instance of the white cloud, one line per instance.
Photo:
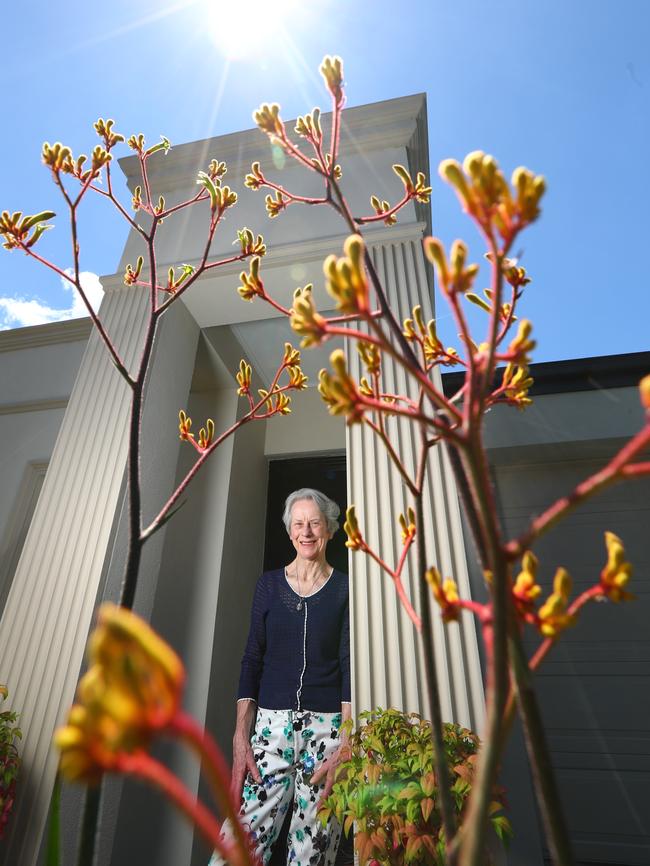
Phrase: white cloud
(22, 312)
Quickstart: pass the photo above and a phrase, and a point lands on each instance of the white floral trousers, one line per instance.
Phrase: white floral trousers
(288, 745)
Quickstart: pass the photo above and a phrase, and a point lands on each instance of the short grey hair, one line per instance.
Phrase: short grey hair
(329, 509)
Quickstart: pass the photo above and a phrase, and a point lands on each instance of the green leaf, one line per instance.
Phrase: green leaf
(42, 217)
(478, 301)
(206, 181)
(165, 145)
(503, 828)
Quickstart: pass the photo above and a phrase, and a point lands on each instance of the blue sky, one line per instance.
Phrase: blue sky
(561, 86)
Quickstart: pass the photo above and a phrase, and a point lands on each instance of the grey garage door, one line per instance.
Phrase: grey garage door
(595, 685)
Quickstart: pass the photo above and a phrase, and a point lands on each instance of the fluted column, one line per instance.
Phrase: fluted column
(50, 605)
(387, 662)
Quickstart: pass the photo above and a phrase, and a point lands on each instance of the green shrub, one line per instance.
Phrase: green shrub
(9, 762)
(387, 789)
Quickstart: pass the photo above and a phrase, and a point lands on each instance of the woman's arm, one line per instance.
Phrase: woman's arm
(243, 760)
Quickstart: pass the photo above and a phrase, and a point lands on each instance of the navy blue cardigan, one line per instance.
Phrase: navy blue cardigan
(298, 658)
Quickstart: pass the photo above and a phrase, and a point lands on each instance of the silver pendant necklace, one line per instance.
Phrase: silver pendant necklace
(302, 597)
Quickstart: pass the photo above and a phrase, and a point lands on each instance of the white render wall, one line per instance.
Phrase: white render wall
(39, 366)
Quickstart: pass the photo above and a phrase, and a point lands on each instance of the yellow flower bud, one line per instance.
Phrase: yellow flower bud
(407, 524)
(339, 391)
(305, 320)
(644, 391)
(445, 593)
(131, 691)
(267, 117)
(451, 171)
(526, 589)
(553, 615)
(252, 284)
(435, 252)
(332, 71)
(346, 279)
(244, 378)
(617, 572)
(370, 355)
(184, 426)
(351, 529)
(206, 434)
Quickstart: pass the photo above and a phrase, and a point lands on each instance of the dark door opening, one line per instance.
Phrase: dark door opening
(327, 474)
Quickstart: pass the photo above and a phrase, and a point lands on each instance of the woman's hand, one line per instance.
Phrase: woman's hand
(328, 770)
(243, 762)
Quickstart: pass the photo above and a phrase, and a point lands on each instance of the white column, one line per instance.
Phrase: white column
(50, 606)
(387, 660)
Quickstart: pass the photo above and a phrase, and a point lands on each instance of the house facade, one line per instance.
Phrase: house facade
(63, 417)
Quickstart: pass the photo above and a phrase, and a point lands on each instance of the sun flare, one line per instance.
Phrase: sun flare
(241, 31)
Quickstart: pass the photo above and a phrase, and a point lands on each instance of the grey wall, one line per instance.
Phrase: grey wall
(593, 687)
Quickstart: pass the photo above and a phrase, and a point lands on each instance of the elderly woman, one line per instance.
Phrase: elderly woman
(295, 687)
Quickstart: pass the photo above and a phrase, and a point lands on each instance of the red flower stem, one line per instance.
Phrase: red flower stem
(95, 319)
(392, 454)
(135, 538)
(548, 795)
(545, 647)
(291, 148)
(201, 269)
(145, 177)
(109, 194)
(510, 317)
(399, 587)
(398, 398)
(155, 523)
(392, 409)
(612, 472)
(402, 558)
(354, 317)
(292, 197)
(483, 612)
(636, 470)
(406, 604)
(461, 324)
(275, 304)
(338, 104)
(353, 334)
(317, 144)
(342, 206)
(218, 774)
(473, 845)
(221, 262)
(147, 285)
(497, 289)
(147, 768)
(202, 195)
(214, 222)
(441, 765)
(436, 397)
(382, 216)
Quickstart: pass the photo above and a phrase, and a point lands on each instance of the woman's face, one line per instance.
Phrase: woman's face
(308, 531)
